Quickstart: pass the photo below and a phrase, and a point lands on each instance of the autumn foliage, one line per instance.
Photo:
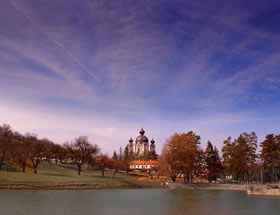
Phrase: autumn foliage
(181, 155)
(241, 160)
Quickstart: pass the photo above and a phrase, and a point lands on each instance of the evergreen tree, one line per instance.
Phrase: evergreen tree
(126, 153)
(270, 154)
(115, 155)
(252, 145)
(227, 155)
(153, 155)
(212, 161)
(239, 156)
(127, 158)
(120, 154)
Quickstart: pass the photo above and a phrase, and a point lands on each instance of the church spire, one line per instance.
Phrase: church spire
(142, 132)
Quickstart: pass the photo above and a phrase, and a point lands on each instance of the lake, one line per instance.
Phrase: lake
(140, 201)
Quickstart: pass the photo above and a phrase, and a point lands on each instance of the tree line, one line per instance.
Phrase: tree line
(28, 150)
(239, 161)
(242, 159)
(21, 151)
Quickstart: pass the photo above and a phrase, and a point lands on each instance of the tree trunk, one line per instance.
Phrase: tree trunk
(35, 164)
(102, 171)
(251, 176)
(113, 177)
(7, 167)
(273, 173)
(261, 176)
(35, 170)
(173, 178)
(151, 175)
(79, 169)
(23, 167)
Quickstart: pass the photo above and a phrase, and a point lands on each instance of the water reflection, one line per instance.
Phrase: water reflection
(196, 202)
(169, 202)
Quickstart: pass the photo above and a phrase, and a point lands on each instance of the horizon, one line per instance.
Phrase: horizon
(105, 69)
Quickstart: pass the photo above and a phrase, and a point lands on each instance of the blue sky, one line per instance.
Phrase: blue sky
(106, 68)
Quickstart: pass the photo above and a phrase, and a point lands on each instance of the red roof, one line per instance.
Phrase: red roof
(153, 162)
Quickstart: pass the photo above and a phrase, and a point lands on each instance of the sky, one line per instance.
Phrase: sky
(104, 69)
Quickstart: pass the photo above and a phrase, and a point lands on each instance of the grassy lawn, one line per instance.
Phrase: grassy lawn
(51, 176)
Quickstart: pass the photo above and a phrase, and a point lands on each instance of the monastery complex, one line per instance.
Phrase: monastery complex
(142, 149)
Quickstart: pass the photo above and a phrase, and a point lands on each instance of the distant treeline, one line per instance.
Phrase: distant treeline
(27, 150)
(22, 151)
(182, 156)
(238, 162)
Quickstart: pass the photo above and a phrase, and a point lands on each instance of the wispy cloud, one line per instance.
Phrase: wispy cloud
(170, 66)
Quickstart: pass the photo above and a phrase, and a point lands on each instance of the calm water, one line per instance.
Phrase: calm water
(136, 202)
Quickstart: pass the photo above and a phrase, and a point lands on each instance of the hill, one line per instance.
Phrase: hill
(64, 177)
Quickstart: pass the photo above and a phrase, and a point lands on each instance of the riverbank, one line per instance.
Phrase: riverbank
(74, 185)
(251, 189)
(64, 177)
(208, 186)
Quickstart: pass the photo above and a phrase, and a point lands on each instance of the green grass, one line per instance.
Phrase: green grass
(51, 176)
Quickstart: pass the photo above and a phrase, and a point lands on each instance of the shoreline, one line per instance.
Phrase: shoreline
(250, 189)
(207, 186)
(75, 185)
(63, 177)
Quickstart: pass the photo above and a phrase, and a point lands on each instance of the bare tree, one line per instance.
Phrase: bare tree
(81, 151)
(38, 149)
(102, 163)
(57, 152)
(20, 150)
(6, 135)
(116, 165)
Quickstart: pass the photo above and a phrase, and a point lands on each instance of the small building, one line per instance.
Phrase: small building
(143, 165)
